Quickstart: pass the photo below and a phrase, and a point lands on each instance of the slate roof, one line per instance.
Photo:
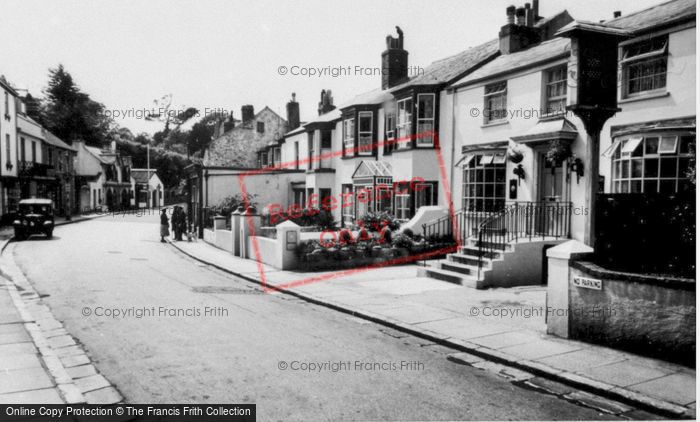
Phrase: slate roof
(54, 140)
(102, 158)
(141, 175)
(660, 15)
(449, 68)
(508, 63)
(376, 96)
(372, 168)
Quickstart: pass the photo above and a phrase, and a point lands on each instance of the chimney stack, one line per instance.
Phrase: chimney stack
(535, 10)
(293, 113)
(326, 103)
(247, 113)
(229, 123)
(617, 14)
(519, 32)
(394, 61)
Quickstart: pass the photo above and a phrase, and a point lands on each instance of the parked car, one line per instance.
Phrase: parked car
(34, 216)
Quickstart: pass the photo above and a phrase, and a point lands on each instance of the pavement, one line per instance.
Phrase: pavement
(41, 362)
(490, 327)
(295, 360)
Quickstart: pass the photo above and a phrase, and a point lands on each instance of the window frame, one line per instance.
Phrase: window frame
(627, 62)
(478, 166)
(547, 82)
(643, 168)
(349, 136)
(425, 141)
(365, 150)
(404, 128)
(488, 101)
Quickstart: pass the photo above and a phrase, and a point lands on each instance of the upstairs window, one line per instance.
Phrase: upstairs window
(404, 122)
(389, 130)
(644, 66)
(365, 133)
(311, 150)
(278, 155)
(495, 102)
(33, 152)
(426, 120)
(555, 90)
(22, 144)
(326, 139)
(261, 127)
(348, 136)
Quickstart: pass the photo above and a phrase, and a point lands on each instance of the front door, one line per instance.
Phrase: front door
(551, 181)
(548, 213)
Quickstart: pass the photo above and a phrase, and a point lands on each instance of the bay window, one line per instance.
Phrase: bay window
(425, 120)
(365, 133)
(644, 66)
(652, 163)
(484, 182)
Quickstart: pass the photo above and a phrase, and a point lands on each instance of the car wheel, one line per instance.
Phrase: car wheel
(20, 235)
(49, 234)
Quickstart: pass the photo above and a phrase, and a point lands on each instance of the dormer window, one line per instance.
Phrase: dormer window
(495, 102)
(644, 66)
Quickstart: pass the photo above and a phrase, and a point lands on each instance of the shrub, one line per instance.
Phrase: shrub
(229, 204)
(375, 221)
(403, 241)
(408, 232)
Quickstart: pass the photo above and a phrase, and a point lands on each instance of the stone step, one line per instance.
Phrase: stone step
(468, 260)
(456, 267)
(473, 251)
(449, 276)
(492, 245)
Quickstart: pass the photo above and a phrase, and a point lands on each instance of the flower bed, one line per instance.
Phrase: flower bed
(364, 250)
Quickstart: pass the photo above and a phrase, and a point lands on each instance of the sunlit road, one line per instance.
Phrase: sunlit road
(236, 356)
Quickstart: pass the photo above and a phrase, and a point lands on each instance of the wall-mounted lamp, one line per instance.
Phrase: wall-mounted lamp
(577, 167)
(520, 172)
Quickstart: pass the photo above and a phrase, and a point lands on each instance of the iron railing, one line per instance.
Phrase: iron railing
(523, 221)
(495, 229)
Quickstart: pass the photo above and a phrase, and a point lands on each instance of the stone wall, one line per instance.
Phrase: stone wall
(647, 315)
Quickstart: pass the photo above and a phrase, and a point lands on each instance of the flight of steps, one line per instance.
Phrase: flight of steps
(462, 267)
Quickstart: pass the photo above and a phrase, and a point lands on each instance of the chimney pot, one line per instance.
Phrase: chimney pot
(617, 14)
(520, 15)
(510, 13)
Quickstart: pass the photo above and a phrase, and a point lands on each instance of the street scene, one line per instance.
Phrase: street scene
(483, 221)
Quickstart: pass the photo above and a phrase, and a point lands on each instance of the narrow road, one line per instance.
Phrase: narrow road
(238, 354)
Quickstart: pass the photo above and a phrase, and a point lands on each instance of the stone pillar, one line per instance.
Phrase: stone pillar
(559, 258)
(236, 231)
(250, 225)
(288, 237)
(219, 222)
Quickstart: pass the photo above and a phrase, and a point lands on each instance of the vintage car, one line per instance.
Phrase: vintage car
(34, 216)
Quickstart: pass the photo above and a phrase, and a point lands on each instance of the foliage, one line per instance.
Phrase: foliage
(375, 221)
(385, 235)
(229, 204)
(403, 241)
(408, 232)
(71, 114)
(558, 151)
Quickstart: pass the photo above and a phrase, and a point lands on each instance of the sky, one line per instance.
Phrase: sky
(218, 55)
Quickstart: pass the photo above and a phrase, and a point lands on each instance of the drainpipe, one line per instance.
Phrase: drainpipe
(452, 148)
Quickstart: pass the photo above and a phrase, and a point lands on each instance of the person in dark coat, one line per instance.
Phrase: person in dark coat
(182, 223)
(164, 225)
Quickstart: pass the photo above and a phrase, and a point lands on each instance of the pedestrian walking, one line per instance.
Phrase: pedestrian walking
(182, 224)
(163, 225)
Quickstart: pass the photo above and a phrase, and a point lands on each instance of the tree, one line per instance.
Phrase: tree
(70, 113)
(199, 138)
